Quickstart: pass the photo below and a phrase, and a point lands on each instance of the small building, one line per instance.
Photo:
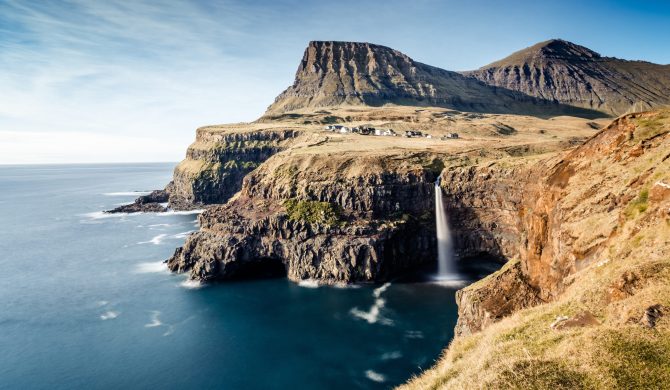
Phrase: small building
(389, 133)
(450, 136)
(378, 132)
(413, 133)
(364, 131)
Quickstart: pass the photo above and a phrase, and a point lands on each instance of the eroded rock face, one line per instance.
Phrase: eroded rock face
(584, 196)
(217, 162)
(150, 203)
(232, 246)
(357, 73)
(573, 208)
(564, 72)
(387, 215)
(496, 297)
(371, 241)
(483, 205)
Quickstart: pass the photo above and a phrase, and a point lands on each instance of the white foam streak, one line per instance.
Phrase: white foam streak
(191, 284)
(309, 283)
(109, 315)
(155, 321)
(375, 376)
(392, 355)
(183, 234)
(158, 267)
(156, 240)
(373, 315)
(169, 213)
(127, 193)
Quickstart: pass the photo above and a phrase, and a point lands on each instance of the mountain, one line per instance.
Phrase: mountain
(352, 73)
(567, 73)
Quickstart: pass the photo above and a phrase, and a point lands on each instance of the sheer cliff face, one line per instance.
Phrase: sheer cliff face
(346, 218)
(564, 72)
(581, 210)
(350, 73)
(217, 162)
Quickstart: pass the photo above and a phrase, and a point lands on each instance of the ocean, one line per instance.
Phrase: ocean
(87, 303)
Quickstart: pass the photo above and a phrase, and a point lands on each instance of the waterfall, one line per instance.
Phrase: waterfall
(446, 266)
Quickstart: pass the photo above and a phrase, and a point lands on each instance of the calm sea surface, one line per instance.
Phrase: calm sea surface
(86, 303)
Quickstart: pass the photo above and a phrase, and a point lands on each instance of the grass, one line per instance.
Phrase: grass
(541, 374)
(651, 126)
(637, 359)
(638, 205)
(313, 212)
(523, 352)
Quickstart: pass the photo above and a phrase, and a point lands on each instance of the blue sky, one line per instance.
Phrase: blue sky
(103, 81)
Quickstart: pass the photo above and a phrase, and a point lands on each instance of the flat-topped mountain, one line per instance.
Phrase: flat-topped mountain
(567, 73)
(351, 73)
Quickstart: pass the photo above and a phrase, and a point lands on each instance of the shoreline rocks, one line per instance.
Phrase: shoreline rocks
(150, 203)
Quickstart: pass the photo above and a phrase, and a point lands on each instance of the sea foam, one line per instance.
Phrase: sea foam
(151, 268)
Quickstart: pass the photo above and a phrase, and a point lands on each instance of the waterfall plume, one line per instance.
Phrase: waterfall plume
(446, 266)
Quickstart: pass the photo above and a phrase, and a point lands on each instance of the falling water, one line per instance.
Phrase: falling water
(446, 266)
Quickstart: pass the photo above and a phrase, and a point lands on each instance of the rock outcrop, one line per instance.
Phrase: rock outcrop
(155, 202)
(585, 304)
(337, 219)
(572, 209)
(567, 73)
(219, 159)
(352, 73)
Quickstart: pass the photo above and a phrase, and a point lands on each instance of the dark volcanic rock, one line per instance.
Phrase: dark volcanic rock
(217, 162)
(150, 203)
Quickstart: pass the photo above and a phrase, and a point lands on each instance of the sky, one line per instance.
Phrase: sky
(86, 81)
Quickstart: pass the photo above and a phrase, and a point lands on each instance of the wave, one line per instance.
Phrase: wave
(109, 315)
(343, 285)
(414, 334)
(375, 376)
(158, 225)
(155, 321)
(169, 213)
(127, 193)
(151, 268)
(181, 212)
(191, 284)
(182, 234)
(379, 290)
(373, 315)
(156, 240)
(391, 355)
(309, 283)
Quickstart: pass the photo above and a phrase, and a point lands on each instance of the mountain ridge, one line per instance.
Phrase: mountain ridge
(334, 73)
(552, 77)
(567, 73)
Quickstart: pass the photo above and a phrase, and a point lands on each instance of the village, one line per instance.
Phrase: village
(366, 130)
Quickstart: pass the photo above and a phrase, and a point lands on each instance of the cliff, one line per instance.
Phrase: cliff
(345, 208)
(584, 304)
(352, 73)
(567, 73)
(219, 159)
(335, 219)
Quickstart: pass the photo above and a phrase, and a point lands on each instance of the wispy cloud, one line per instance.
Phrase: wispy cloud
(148, 72)
(120, 69)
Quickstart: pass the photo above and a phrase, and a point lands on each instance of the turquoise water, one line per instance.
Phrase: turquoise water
(87, 303)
